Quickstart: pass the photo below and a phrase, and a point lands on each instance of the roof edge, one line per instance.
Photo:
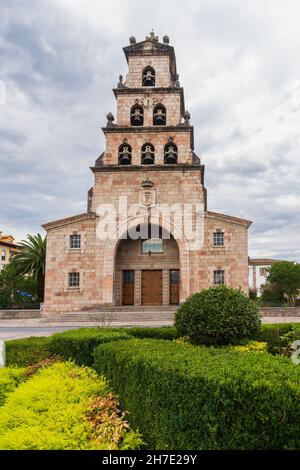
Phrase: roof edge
(69, 220)
(229, 218)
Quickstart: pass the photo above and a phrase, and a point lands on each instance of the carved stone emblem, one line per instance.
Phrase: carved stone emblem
(148, 102)
(147, 197)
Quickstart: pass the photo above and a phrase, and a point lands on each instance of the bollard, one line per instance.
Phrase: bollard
(2, 353)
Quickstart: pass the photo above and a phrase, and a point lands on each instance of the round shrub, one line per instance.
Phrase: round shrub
(218, 315)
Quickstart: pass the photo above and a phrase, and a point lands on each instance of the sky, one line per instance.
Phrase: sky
(238, 62)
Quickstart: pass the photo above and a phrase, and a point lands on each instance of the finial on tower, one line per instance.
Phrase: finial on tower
(110, 119)
(132, 40)
(152, 37)
(121, 84)
(166, 39)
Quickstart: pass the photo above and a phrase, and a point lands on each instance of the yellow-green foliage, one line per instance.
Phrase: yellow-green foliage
(52, 410)
(258, 346)
(9, 380)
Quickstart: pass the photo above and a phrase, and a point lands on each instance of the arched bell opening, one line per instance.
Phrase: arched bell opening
(148, 154)
(137, 115)
(148, 78)
(159, 115)
(170, 154)
(125, 154)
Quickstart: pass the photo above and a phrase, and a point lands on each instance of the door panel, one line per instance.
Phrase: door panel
(128, 288)
(152, 287)
(174, 286)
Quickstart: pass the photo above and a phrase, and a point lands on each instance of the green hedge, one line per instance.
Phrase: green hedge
(28, 351)
(64, 407)
(80, 344)
(164, 332)
(9, 380)
(278, 335)
(188, 397)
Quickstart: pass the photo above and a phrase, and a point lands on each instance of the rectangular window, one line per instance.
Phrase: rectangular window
(263, 272)
(174, 276)
(74, 279)
(155, 245)
(75, 241)
(3, 255)
(128, 277)
(218, 277)
(218, 239)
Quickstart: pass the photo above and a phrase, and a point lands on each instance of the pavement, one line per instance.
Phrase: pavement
(25, 328)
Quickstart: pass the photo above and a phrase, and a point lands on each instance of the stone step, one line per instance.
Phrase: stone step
(113, 316)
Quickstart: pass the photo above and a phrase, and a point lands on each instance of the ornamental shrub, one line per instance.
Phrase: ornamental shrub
(9, 380)
(195, 397)
(217, 316)
(64, 407)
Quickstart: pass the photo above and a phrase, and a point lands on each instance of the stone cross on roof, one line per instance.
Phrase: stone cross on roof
(152, 37)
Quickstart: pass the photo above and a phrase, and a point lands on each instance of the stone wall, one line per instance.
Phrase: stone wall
(280, 311)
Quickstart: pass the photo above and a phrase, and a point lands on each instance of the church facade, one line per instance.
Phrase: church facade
(147, 237)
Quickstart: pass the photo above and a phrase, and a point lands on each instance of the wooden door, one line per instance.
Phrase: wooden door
(174, 286)
(128, 288)
(152, 287)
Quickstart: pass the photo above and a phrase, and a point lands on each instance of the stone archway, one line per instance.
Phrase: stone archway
(110, 295)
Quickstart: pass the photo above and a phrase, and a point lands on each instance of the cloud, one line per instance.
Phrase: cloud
(238, 62)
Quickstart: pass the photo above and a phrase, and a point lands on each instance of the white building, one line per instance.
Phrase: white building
(258, 271)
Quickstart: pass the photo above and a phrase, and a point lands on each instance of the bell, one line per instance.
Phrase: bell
(148, 158)
(160, 120)
(148, 79)
(137, 119)
(125, 157)
(170, 156)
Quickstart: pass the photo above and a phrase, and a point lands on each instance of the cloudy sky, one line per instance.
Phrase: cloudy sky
(238, 61)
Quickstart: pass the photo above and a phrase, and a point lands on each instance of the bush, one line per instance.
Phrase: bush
(279, 336)
(187, 397)
(9, 380)
(271, 295)
(217, 316)
(28, 351)
(167, 332)
(79, 344)
(64, 407)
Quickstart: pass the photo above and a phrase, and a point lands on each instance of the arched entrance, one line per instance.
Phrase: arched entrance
(112, 280)
(147, 270)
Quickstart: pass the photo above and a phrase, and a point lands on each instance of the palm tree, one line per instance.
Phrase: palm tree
(32, 260)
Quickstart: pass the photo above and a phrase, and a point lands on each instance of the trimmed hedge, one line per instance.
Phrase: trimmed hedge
(9, 380)
(64, 407)
(79, 345)
(164, 332)
(28, 351)
(189, 397)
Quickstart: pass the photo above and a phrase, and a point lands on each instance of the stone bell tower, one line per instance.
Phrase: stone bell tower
(148, 159)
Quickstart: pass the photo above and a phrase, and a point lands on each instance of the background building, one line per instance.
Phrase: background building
(258, 271)
(7, 247)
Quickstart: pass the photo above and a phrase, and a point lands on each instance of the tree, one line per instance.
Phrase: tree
(16, 290)
(32, 260)
(285, 276)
